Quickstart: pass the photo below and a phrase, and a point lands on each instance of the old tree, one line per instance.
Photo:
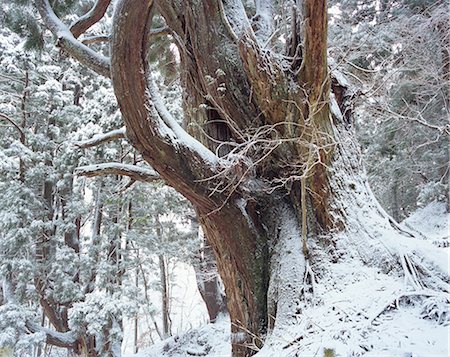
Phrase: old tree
(265, 154)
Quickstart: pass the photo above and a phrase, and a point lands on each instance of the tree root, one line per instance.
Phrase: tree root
(411, 274)
(395, 303)
(309, 277)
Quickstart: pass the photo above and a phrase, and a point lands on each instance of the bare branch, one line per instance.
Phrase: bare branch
(161, 31)
(94, 15)
(69, 43)
(102, 138)
(96, 39)
(137, 173)
(13, 123)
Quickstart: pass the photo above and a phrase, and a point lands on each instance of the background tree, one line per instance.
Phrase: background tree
(396, 54)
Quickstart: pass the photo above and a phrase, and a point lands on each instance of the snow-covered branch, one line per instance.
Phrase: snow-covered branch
(137, 173)
(54, 338)
(69, 43)
(94, 15)
(102, 138)
(180, 159)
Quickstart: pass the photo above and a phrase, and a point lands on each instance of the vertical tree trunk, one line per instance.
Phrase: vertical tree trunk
(164, 281)
(208, 282)
(165, 298)
(262, 207)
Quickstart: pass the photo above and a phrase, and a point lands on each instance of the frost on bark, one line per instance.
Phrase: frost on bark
(273, 171)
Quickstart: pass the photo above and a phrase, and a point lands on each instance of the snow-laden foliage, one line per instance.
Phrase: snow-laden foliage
(395, 54)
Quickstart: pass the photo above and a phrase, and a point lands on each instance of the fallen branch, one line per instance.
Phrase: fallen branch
(394, 303)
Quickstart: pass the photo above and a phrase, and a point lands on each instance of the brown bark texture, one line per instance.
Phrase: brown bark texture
(268, 152)
(236, 96)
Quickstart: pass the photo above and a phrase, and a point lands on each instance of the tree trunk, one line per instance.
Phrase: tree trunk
(290, 185)
(165, 298)
(208, 282)
(273, 171)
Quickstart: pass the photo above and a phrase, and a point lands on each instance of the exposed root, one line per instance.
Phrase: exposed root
(431, 308)
(309, 278)
(411, 275)
(254, 344)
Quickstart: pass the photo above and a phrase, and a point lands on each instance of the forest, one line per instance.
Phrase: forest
(224, 178)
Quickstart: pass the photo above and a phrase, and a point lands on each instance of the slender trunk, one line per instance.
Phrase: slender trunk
(395, 205)
(136, 318)
(208, 282)
(164, 281)
(165, 305)
(23, 124)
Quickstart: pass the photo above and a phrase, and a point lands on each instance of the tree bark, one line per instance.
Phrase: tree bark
(290, 175)
(208, 282)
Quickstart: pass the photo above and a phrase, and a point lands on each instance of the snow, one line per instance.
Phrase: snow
(209, 340)
(431, 221)
(356, 309)
(139, 170)
(343, 318)
(181, 136)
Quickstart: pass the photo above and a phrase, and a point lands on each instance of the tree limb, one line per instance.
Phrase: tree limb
(102, 138)
(136, 173)
(179, 158)
(94, 15)
(160, 31)
(13, 123)
(96, 39)
(54, 338)
(85, 55)
(314, 69)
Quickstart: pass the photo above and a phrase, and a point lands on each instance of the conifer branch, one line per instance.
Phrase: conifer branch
(86, 56)
(13, 123)
(54, 338)
(102, 138)
(137, 173)
(94, 15)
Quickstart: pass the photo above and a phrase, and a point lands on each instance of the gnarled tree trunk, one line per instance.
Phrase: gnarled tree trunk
(273, 173)
(290, 165)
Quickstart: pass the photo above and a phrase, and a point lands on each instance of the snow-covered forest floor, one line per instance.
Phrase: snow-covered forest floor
(356, 311)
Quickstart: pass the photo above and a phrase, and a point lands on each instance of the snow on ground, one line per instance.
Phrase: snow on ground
(209, 340)
(349, 317)
(188, 310)
(356, 311)
(431, 221)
